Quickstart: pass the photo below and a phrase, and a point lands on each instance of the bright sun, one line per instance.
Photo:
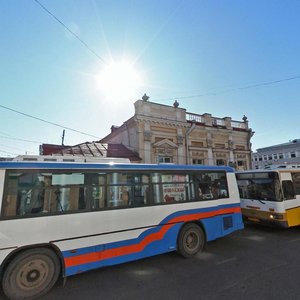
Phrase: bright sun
(119, 82)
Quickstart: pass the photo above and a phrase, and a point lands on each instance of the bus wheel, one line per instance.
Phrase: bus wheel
(191, 240)
(31, 274)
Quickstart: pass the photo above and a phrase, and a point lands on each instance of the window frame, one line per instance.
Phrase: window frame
(89, 185)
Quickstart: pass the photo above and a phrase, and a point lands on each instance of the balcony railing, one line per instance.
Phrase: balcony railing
(218, 122)
(195, 118)
(239, 125)
(209, 120)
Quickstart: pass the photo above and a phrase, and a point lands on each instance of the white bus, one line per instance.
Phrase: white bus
(61, 219)
(270, 197)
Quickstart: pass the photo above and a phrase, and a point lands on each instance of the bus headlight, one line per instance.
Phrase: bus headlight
(276, 217)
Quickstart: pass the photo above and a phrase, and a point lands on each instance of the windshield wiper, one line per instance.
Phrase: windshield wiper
(261, 201)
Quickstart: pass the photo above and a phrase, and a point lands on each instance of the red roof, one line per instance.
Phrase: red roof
(91, 149)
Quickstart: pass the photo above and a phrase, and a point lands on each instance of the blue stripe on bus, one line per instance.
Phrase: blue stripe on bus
(108, 166)
(213, 228)
(150, 230)
(157, 247)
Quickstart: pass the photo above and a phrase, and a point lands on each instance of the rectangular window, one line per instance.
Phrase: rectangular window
(36, 193)
(127, 189)
(259, 186)
(296, 182)
(197, 144)
(270, 157)
(293, 154)
(164, 159)
(30, 193)
(33, 193)
(220, 146)
(211, 185)
(198, 162)
(220, 162)
(275, 156)
(170, 188)
(240, 147)
(280, 155)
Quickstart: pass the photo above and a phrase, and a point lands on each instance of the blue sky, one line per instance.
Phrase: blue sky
(207, 54)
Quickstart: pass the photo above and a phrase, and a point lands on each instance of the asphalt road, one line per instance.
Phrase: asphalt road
(256, 263)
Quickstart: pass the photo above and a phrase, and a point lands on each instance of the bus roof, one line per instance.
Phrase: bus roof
(283, 170)
(109, 166)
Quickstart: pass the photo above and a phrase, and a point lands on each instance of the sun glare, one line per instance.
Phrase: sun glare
(119, 82)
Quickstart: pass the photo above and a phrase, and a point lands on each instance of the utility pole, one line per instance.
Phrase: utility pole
(63, 138)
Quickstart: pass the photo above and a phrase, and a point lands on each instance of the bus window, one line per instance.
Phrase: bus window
(259, 186)
(97, 194)
(24, 195)
(296, 182)
(68, 192)
(140, 190)
(170, 188)
(127, 189)
(211, 185)
(288, 189)
(30, 193)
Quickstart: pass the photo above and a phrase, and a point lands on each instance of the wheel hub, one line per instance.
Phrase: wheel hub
(33, 275)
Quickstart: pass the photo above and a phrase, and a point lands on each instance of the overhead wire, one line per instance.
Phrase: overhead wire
(19, 139)
(165, 99)
(9, 152)
(69, 30)
(75, 35)
(15, 148)
(48, 122)
(251, 86)
(183, 97)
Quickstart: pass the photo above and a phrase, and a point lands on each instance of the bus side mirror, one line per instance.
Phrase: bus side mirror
(288, 189)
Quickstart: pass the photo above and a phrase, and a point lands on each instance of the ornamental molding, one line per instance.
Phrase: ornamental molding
(180, 139)
(165, 143)
(198, 154)
(147, 136)
(171, 123)
(220, 155)
(218, 150)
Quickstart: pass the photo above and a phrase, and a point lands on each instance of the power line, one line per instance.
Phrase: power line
(18, 139)
(3, 145)
(9, 152)
(234, 89)
(73, 33)
(269, 82)
(48, 122)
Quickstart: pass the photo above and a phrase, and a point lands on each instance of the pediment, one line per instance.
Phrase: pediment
(165, 143)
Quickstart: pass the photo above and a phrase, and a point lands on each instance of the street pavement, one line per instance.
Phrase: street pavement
(255, 263)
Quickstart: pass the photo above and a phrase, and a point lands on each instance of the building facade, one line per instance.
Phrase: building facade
(285, 154)
(169, 134)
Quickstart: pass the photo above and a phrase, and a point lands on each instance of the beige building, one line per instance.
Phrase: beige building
(169, 134)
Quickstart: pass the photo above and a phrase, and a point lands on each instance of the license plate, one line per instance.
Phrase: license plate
(253, 219)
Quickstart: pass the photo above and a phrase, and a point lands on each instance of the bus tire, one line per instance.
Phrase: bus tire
(31, 274)
(191, 240)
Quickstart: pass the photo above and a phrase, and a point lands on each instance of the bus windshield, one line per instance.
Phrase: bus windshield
(259, 186)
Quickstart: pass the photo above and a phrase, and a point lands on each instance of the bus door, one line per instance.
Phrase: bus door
(291, 201)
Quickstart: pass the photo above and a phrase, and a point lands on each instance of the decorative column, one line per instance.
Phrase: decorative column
(180, 150)
(230, 147)
(147, 144)
(209, 150)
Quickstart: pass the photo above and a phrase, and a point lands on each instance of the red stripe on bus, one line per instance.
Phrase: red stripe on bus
(124, 250)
